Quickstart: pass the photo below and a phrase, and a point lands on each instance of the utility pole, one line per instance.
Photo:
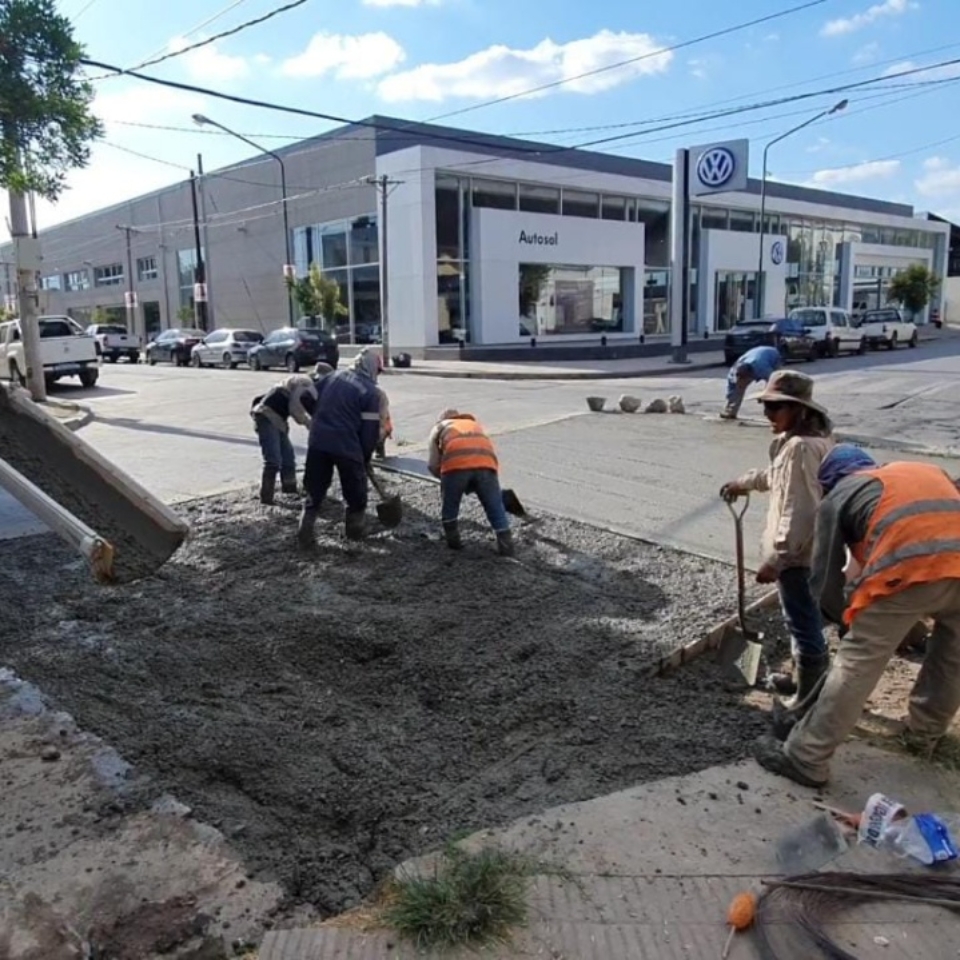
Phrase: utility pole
(383, 184)
(131, 295)
(27, 255)
(199, 273)
(202, 185)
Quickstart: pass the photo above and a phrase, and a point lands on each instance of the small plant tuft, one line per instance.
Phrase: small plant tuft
(472, 899)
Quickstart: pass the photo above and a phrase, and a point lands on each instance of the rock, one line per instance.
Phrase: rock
(629, 404)
(50, 754)
(676, 405)
(170, 806)
(656, 406)
(596, 403)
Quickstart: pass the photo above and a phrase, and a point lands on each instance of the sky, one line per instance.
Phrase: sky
(897, 140)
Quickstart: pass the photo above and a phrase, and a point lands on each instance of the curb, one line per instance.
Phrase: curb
(664, 371)
(81, 414)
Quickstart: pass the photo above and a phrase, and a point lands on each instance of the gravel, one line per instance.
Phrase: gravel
(339, 712)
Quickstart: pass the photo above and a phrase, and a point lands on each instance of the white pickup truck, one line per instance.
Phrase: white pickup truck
(65, 351)
(113, 342)
(886, 326)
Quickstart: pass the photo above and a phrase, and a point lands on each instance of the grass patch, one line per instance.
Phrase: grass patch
(472, 898)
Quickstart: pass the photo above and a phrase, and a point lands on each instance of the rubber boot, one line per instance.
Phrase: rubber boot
(811, 673)
(505, 545)
(288, 484)
(380, 452)
(354, 525)
(268, 485)
(305, 529)
(451, 532)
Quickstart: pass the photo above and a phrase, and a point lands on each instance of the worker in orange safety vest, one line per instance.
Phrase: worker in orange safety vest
(462, 455)
(901, 523)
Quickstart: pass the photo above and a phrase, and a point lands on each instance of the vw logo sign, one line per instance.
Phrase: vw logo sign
(716, 166)
(776, 252)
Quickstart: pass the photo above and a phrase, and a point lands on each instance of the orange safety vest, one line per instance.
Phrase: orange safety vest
(913, 537)
(464, 445)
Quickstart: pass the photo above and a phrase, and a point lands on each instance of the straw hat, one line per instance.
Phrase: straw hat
(790, 386)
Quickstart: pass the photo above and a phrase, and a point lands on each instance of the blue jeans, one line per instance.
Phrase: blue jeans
(276, 447)
(802, 614)
(485, 484)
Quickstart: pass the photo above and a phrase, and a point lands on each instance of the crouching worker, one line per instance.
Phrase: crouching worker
(755, 365)
(295, 397)
(462, 455)
(901, 522)
(343, 435)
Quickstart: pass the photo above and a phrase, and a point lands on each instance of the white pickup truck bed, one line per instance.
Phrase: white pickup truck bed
(115, 342)
(65, 351)
(886, 327)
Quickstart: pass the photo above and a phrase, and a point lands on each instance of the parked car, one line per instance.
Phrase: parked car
(886, 326)
(173, 346)
(114, 342)
(788, 336)
(225, 347)
(65, 351)
(832, 329)
(293, 348)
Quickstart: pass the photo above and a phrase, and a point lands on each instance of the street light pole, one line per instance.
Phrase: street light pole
(201, 120)
(836, 108)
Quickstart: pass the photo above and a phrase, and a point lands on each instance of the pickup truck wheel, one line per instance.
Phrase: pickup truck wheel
(914, 339)
(16, 376)
(862, 348)
(833, 347)
(151, 360)
(88, 378)
(111, 357)
(892, 342)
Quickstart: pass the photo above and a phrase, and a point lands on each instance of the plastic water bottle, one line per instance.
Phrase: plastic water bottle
(925, 837)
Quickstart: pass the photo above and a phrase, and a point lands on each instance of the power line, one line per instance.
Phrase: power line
(726, 31)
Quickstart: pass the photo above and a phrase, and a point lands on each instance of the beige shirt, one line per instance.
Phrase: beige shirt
(795, 493)
(296, 387)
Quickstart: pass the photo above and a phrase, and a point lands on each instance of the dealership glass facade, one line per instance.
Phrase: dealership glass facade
(347, 251)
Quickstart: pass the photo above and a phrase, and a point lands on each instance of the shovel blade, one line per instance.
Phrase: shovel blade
(512, 504)
(739, 654)
(390, 512)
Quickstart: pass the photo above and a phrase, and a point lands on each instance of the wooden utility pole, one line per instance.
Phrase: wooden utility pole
(200, 274)
(27, 257)
(383, 184)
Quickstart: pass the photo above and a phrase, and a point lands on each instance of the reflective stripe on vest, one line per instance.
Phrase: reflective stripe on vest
(464, 445)
(913, 537)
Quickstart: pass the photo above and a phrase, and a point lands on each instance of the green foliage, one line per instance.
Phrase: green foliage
(532, 278)
(914, 287)
(185, 316)
(318, 296)
(7, 313)
(46, 126)
(473, 898)
(99, 316)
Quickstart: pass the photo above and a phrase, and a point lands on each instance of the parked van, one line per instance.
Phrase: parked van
(832, 329)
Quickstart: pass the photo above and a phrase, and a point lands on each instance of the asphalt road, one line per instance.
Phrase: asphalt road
(185, 433)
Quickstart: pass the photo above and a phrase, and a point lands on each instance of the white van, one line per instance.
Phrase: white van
(832, 329)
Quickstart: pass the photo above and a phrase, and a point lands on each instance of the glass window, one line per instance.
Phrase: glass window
(366, 305)
(363, 241)
(302, 254)
(186, 265)
(580, 203)
(655, 217)
(534, 199)
(656, 293)
(713, 218)
(613, 208)
(447, 195)
(852, 233)
(333, 243)
(498, 194)
(109, 276)
(742, 221)
(76, 280)
(218, 336)
(451, 323)
(51, 282)
(147, 268)
(557, 300)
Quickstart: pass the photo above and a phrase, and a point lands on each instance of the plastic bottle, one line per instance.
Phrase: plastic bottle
(925, 837)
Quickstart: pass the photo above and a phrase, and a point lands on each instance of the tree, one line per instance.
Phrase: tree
(318, 296)
(46, 128)
(532, 278)
(913, 288)
(185, 316)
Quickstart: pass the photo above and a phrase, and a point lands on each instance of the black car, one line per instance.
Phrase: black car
(173, 346)
(790, 337)
(293, 348)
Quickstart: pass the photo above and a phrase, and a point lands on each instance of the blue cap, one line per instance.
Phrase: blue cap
(843, 460)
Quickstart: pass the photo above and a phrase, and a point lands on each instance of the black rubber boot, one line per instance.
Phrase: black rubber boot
(268, 485)
(380, 452)
(505, 545)
(451, 533)
(811, 674)
(355, 525)
(305, 529)
(288, 484)
(769, 753)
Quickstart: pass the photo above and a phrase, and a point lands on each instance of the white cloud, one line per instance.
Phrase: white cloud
(844, 25)
(868, 53)
(347, 57)
(857, 173)
(821, 143)
(501, 71)
(940, 178)
(402, 3)
(208, 64)
(772, 37)
(948, 72)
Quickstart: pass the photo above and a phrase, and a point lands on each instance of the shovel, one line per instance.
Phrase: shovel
(512, 504)
(390, 508)
(740, 648)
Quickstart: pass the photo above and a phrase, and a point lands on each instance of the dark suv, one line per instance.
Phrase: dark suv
(790, 337)
(293, 348)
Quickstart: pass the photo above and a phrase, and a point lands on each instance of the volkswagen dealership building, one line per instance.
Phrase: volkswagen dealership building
(490, 241)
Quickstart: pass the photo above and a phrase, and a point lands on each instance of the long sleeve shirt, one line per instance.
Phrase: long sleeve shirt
(762, 362)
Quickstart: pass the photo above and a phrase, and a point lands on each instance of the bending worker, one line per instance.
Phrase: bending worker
(463, 457)
(755, 365)
(901, 522)
(343, 436)
(295, 397)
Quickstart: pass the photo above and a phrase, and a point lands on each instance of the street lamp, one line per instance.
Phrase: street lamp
(200, 120)
(836, 108)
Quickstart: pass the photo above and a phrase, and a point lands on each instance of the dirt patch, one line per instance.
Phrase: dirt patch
(335, 714)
